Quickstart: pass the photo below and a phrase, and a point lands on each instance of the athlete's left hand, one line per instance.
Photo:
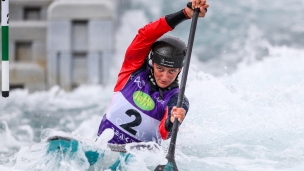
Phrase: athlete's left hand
(178, 113)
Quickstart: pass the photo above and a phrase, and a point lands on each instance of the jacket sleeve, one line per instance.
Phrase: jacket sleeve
(165, 125)
(139, 49)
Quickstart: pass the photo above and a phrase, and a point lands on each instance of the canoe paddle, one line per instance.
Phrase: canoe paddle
(171, 165)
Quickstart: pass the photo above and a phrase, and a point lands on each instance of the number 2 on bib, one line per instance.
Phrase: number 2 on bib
(136, 122)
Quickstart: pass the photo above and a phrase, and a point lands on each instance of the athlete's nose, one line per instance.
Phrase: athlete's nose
(166, 75)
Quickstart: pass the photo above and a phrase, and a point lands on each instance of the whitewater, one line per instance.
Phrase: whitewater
(246, 104)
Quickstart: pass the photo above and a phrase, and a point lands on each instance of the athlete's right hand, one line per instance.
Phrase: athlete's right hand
(201, 4)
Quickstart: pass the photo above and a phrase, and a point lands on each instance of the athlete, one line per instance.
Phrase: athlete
(143, 106)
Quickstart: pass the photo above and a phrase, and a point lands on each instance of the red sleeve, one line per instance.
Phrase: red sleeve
(139, 49)
(162, 130)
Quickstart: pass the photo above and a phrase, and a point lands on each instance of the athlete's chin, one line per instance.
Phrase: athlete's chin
(162, 85)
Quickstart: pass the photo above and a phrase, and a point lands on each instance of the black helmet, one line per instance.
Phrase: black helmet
(169, 51)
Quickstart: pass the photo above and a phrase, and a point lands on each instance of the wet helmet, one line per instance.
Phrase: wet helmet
(169, 51)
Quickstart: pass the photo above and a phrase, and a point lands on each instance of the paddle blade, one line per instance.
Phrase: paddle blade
(168, 167)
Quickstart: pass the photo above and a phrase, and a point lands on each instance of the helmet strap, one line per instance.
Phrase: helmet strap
(151, 78)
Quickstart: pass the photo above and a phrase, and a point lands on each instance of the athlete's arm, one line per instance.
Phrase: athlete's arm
(139, 49)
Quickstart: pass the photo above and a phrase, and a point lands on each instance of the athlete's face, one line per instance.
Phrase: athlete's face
(164, 76)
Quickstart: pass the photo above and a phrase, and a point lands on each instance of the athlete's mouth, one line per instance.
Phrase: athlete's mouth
(163, 82)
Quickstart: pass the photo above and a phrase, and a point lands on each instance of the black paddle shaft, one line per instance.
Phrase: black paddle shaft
(170, 155)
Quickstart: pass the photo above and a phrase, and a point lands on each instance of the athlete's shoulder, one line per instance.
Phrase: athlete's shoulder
(173, 101)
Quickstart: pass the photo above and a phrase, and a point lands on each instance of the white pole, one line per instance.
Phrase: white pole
(5, 49)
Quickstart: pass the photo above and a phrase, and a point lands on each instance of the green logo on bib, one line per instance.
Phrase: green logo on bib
(143, 101)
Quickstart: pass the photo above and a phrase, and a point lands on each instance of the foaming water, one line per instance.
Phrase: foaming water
(236, 30)
(250, 120)
(24, 116)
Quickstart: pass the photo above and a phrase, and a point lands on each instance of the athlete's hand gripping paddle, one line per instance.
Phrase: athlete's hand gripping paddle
(171, 165)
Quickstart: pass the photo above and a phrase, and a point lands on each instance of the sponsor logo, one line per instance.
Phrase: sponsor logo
(143, 101)
(140, 83)
(122, 136)
(167, 63)
(126, 138)
(159, 100)
(162, 61)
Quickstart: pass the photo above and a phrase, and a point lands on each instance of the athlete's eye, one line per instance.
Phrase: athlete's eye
(172, 71)
(159, 68)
